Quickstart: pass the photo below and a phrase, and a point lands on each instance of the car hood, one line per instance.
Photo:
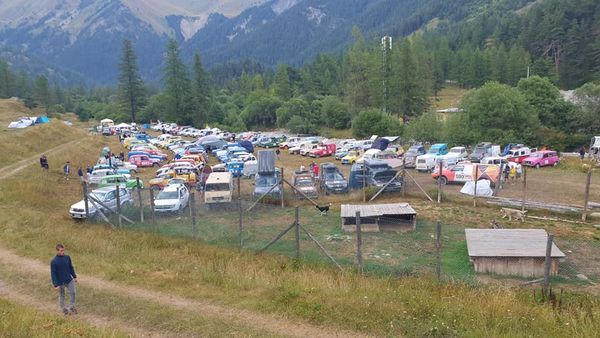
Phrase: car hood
(336, 183)
(162, 202)
(81, 205)
(384, 175)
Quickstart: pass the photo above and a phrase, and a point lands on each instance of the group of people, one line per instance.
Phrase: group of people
(513, 172)
(313, 167)
(66, 169)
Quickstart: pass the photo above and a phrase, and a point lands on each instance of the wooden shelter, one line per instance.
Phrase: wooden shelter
(379, 217)
(515, 252)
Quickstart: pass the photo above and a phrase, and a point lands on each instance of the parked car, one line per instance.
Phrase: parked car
(119, 180)
(454, 155)
(374, 172)
(369, 154)
(427, 162)
(304, 182)
(484, 149)
(351, 157)
(331, 179)
(410, 157)
(264, 181)
(173, 198)
(323, 151)
(542, 159)
(143, 161)
(106, 195)
(303, 146)
(465, 172)
(218, 188)
(98, 174)
(517, 155)
(160, 182)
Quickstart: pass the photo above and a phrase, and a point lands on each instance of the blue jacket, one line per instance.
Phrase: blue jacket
(61, 270)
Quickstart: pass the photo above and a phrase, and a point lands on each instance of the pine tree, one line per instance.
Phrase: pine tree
(202, 90)
(6, 80)
(282, 85)
(131, 87)
(42, 92)
(177, 86)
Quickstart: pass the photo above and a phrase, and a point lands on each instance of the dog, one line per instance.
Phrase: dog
(323, 209)
(510, 213)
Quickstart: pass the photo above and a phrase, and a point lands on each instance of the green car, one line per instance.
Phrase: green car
(120, 180)
(274, 142)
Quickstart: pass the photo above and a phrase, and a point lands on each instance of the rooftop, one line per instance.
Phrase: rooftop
(370, 210)
(509, 243)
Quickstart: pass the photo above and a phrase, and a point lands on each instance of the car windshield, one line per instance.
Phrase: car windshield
(352, 153)
(167, 195)
(266, 180)
(334, 177)
(458, 151)
(537, 155)
(434, 150)
(217, 187)
(478, 150)
(99, 196)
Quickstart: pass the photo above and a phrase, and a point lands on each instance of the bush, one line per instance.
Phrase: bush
(375, 122)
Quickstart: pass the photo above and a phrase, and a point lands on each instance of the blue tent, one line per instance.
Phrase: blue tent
(42, 119)
(380, 143)
(248, 146)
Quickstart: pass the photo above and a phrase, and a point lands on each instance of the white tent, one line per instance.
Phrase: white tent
(484, 188)
(24, 122)
(122, 126)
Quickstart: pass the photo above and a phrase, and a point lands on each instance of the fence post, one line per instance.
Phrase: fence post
(499, 183)
(297, 234)
(359, 258)
(118, 192)
(86, 201)
(475, 187)
(439, 199)
(364, 178)
(239, 185)
(588, 181)
(241, 223)
(547, 265)
(524, 188)
(281, 182)
(192, 203)
(152, 206)
(403, 175)
(438, 249)
(139, 193)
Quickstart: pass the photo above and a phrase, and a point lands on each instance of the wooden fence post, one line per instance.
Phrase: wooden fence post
(475, 184)
(152, 206)
(297, 233)
(86, 201)
(403, 175)
(239, 187)
(281, 182)
(139, 193)
(192, 203)
(359, 258)
(118, 192)
(548, 264)
(241, 223)
(499, 183)
(364, 178)
(524, 188)
(588, 181)
(438, 249)
(439, 199)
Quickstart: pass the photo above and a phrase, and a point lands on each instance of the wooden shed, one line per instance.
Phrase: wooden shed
(379, 217)
(515, 252)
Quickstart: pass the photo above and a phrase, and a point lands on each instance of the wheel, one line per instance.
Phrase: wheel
(555, 164)
(537, 166)
(317, 156)
(443, 180)
(155, 164)
(180, 209)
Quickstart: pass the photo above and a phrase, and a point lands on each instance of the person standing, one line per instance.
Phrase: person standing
(316, 171)
(88, 170)
(513, 174)
(44, 162)
(519, 171)
(67, 170)
(80, 174)
(277, 152)
(63, 276)
(582, 153)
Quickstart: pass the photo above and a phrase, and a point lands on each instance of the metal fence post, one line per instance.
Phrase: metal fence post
(282, 190)
(359, 258)
(588, 181)
(86, 201)
(241, 223)
(475, 185)
(499, 183)
(403, 175)
(118, 192)
(139, 193)
(364, 178)
(547, 265)
(192, 203)
(438, 249)
(297, 234)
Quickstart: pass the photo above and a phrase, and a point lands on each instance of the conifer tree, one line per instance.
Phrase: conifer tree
(131, 87)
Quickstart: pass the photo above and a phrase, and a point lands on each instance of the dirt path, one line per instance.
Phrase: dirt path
(14, 294)
(14, 168)
(270, 323)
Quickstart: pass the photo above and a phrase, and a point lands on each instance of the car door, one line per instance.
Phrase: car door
(110, 199)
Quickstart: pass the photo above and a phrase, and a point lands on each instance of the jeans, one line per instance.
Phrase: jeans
(61, 295)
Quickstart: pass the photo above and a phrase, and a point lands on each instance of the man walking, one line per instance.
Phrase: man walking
(67, 170)
(80, 174)
(63, 276)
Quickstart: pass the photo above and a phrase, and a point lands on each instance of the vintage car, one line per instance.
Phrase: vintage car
(542, 159)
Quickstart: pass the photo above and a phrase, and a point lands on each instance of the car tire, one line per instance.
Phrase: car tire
(537, 166)
(155, 164)
(443, 180)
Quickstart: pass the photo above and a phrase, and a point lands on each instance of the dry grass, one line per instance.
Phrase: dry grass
(449, 97)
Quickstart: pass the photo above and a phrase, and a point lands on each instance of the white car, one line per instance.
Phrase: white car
(173, 198)
(106, 195)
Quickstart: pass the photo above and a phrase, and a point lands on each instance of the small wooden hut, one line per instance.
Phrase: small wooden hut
(399, 217)
(514, 252)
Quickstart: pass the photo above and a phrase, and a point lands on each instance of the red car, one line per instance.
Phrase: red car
(322, 151)
(142, 161)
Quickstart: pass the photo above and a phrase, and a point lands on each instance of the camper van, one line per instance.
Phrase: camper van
(218, 188)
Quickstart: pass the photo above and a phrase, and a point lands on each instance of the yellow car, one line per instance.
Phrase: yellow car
(351, 157)
(161, 182)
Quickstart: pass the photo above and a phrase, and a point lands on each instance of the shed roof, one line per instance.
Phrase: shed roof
(370, 210)
(509, 243)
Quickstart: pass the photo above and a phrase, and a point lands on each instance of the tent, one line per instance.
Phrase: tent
(23, 122)
(42, 119)
(122, 126)
(380, 143)
(484, 188)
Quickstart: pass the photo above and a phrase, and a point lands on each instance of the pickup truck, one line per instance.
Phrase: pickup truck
(461, 173)
(427, 162)
(322, 151)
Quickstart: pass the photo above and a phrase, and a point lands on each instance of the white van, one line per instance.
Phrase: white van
(218, 188)
(369, 154)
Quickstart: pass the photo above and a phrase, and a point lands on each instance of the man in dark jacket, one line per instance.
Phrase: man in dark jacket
(63, 276)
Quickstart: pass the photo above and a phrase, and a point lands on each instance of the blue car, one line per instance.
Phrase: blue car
(235, 168)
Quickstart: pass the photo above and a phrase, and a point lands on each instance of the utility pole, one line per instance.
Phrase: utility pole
(386, 46)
